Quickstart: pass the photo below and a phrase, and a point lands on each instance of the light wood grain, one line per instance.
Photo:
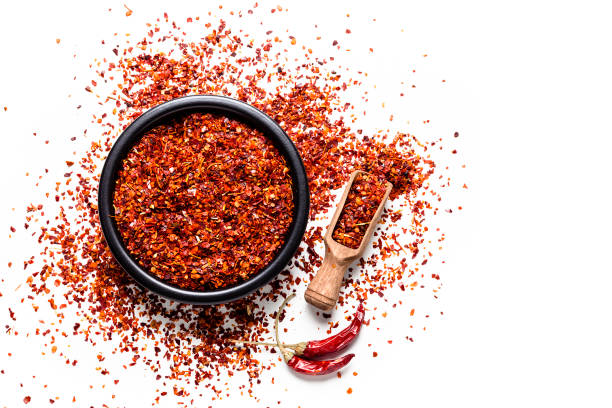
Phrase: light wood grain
(324, 289)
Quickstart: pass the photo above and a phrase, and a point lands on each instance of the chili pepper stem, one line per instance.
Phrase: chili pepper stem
(262, 343)
(287, 355)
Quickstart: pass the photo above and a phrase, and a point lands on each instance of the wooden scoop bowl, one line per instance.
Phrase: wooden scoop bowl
(324, 289)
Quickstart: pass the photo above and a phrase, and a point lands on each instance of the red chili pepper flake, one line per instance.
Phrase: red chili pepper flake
(27, 399)
(308, 99)
(361, 204)
(349, 390)
(57, 40)
(203, 202)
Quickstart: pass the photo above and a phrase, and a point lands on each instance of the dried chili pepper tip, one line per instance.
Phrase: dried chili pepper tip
(337, 342)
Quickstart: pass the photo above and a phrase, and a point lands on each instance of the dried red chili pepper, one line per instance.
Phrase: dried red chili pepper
(335, 343)
(311, 367)
(304, 366)
(329, 345)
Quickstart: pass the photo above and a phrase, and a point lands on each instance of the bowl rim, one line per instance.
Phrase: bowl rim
(232, 108)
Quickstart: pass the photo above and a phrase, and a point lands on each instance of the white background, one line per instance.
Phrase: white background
(527, 278)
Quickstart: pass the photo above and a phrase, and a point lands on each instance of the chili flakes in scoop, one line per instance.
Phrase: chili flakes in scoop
(361, 204)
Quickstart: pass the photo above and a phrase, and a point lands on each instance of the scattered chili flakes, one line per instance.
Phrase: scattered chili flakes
(307, 98)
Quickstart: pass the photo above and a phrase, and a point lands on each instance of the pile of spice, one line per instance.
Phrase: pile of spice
(362, 202)
(73, 275)
(203, 202)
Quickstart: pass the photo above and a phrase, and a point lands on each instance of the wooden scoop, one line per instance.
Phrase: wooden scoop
(324, 289)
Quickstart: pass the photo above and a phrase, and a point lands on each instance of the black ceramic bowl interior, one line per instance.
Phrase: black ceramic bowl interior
(231, 108)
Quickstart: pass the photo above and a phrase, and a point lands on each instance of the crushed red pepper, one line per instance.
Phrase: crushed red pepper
(362, 202)
(75, 275)
(203, 202)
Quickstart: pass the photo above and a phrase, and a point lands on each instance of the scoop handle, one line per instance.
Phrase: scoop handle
(324, 289)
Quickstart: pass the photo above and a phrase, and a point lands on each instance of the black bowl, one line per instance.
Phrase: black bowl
(231, 108)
